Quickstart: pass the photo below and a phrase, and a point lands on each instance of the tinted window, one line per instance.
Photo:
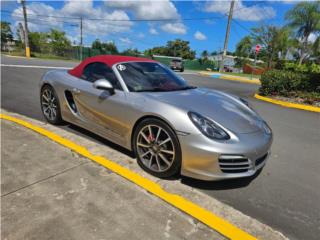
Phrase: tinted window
(149, 76)
(96, 71)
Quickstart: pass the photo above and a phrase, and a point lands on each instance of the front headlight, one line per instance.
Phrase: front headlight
(208, 127)
(266, 128)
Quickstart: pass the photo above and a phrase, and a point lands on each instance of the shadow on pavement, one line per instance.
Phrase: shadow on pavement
(199, 184)
(219, 185)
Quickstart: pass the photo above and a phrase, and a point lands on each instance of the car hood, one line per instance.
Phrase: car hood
(222, 108)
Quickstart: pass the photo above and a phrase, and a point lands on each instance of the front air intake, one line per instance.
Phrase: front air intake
(234, 164)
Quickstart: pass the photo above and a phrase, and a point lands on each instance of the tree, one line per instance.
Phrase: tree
(267, 37)
(304, 18)
(58, 42)
(205, 54)
(6, 34)
(244, 47)
(176, 48)
(105, 48)
(38, 41)
(180, 48)
(130, 52)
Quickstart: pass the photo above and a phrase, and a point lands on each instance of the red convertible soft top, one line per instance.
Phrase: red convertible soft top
(109, 60)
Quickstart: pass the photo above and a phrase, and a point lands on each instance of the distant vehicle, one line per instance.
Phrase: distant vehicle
(171, 127)
(177, 64)
(227, 69)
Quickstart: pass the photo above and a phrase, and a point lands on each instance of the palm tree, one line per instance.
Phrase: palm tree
(304, 18)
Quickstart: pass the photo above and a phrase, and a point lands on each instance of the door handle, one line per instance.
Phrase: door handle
(76, 91)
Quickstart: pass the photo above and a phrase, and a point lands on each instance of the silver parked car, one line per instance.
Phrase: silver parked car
(172, 127)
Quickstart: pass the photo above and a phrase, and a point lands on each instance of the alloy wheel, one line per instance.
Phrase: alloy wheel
(155, 148)
(49, 104)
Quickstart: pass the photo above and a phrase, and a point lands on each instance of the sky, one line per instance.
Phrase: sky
(202, 23)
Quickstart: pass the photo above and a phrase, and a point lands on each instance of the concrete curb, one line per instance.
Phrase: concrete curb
(230, 77)
(221, 210)
(288, 104)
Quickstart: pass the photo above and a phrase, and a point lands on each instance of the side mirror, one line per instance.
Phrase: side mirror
(103, 84)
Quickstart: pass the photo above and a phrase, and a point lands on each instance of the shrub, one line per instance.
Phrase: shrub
(281, 82)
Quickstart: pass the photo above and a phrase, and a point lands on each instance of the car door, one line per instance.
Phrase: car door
(101, 110)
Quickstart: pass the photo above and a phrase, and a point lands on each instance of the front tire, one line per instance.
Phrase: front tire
(50, 105)
(157, 148)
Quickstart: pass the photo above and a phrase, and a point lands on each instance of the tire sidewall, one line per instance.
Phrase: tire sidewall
(58, 118)
(176, 165)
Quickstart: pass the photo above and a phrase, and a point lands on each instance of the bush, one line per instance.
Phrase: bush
(281, 82)
(302, 68)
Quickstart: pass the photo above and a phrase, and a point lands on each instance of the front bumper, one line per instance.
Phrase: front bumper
(202, 157)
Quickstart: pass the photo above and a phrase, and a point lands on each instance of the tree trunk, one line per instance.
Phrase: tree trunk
(303, 49)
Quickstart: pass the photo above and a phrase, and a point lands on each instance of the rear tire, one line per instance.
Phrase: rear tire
(50, 105)
(158, 152)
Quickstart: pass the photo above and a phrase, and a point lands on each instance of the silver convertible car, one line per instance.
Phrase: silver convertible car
(170, 126)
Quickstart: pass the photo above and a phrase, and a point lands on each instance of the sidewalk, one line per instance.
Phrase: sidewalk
(49, 192)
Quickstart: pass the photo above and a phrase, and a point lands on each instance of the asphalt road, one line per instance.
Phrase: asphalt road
(285, 195)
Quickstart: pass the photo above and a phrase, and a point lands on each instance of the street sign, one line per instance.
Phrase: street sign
(258, 47)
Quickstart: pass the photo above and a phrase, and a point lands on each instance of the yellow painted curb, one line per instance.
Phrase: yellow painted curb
(238, 79)
(213, 221)
(288, 104)
(232, 78)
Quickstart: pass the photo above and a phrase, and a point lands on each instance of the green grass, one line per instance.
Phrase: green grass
(40, 55)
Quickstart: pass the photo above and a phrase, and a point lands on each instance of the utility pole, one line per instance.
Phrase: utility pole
(26, 32)
(81, 39)
(227, 36)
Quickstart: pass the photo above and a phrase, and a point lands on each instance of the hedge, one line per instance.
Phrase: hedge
(282, 82)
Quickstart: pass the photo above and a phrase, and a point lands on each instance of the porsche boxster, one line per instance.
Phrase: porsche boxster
(170, 126)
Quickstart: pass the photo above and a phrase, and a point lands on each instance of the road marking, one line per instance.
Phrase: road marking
(213, 221)
(288, 104)
(33, 66)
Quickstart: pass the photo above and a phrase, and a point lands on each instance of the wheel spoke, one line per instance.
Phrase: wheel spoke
(145, 137)
(146, 153)
(143, 145)
(165, 141)
(150, 161)
(158, 163)
(54, 112)
(45, 97)
(167, 151)
(158, 134)
(150, 132)
(164, 159)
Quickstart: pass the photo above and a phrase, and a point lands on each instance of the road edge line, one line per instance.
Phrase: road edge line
(208, 218)
(288, 104)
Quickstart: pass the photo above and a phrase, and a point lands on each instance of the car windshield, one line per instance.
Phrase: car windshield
(150, 76)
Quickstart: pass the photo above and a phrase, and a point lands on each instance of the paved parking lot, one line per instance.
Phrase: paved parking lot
(285, 195)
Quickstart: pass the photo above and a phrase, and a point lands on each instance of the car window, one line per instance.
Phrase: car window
(97, 70)
(149, 76)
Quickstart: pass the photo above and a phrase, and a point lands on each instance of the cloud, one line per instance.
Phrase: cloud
(199, 36)
(152, 10)
(74, 10)
(175, 28)
(38, 23)
(241, 12)
(153, 31)
(125, 41)
(147, 9)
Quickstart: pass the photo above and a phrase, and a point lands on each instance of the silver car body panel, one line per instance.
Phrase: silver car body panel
(115, 116)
